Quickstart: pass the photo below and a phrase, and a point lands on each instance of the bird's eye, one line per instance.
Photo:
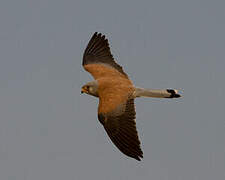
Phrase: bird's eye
(90, 89)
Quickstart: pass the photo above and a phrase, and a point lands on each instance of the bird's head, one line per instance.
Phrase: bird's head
(90, 88)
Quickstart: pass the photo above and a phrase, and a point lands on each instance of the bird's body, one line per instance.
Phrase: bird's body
(113, 92)
(116, 93)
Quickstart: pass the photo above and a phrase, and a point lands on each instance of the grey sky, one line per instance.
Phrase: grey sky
(48, 131)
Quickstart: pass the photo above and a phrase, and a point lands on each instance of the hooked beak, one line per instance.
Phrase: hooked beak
(83, 90)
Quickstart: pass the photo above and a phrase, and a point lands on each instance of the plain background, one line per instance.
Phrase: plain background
(48, 131)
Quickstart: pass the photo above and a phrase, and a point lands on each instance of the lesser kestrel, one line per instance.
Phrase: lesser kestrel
(116, 93)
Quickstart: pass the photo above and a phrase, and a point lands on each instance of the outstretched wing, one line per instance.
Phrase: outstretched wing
(116, 109)
(98, 60)
(120, 126)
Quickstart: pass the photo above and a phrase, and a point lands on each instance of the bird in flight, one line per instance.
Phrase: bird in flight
(116, 93)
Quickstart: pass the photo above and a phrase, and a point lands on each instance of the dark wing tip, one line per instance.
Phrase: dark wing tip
(122, 131)
(98, 51)
(97, 48)
(139, 157)
(127, 144)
